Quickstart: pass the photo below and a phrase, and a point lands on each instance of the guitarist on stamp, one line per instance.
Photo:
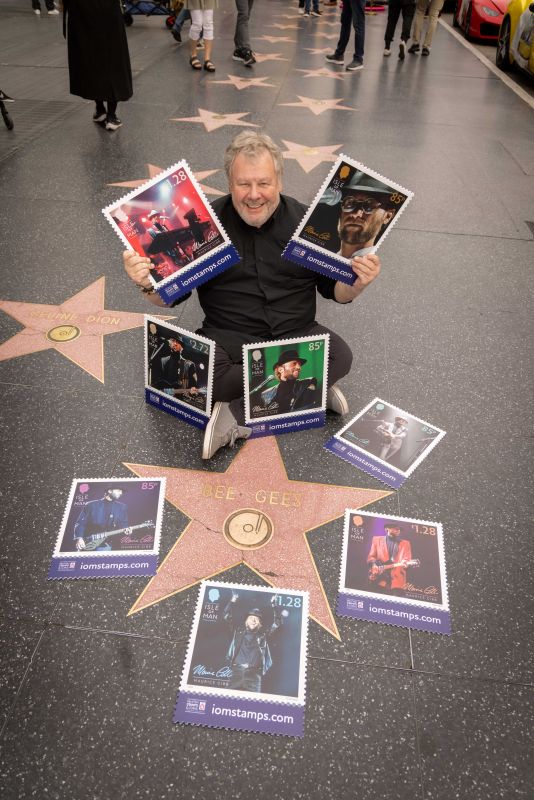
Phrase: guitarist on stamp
(388, 559)
(99, 520)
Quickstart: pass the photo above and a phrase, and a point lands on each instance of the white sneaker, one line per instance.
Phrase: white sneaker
(52, 12)
(387, 51)
(37, 11)
(222, 430)
(336, 401)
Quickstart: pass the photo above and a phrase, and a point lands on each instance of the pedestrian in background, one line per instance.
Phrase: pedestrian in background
(99, 60)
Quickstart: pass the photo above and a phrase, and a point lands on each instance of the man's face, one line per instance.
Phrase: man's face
(252, 623)
(289, 371)
(361, 223)
(394, 532)
(115, 494)
(155, 218)
(175, 346)
(255, 188)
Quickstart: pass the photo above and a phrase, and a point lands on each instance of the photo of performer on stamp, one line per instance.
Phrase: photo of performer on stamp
(106, 522)
(350, 216)
(285, 378)
(179, 365)
(392, 566)
(170, 221)
(393, 442)
(248, 641)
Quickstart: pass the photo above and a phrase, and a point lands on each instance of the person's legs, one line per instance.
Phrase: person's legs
(182, 17)
(241, 35)
(358, 22)
(408, 10)
(418, 22)
(339, 354)
(433, 15)
(344, 34)
(194, 36)
(394, 10)
(207, 33)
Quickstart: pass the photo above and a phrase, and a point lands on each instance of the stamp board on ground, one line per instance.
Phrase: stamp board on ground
(240, 674)
(118, 522)
(169, 220)
(351, 215)
(393, 571)
(178, 371)
(376, 441)
(286, 384)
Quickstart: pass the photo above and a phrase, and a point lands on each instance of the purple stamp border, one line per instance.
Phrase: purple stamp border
(240, 714)
(127, 566)
(365, 462)
(390, 612)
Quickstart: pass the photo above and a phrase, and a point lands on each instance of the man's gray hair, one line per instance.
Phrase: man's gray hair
(252, 144)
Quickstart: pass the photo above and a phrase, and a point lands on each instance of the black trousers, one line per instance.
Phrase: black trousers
(228, 376)
(395, 8)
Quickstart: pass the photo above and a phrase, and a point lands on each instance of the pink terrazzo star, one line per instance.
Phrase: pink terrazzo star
(245, 83)
(260, 57)
(212, 120)
(322, 72)
(153, 170)
(75, 328)
(309, 156)
(273, 39)
(319, 106)
(256, 481)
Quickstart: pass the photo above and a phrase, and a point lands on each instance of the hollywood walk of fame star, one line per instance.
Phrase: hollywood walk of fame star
(245, 83)
(252, 514)
(153, 170)
(318, 51)
(212, 120)
(260, 57)
(75, 328)
(276, 39)
(318, 106)
(309, 156)
(323, 72)
(283, 27)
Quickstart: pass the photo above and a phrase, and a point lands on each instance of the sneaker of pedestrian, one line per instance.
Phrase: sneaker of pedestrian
(52, 12)
(222, 430)
(306, 14)
(387, 51)
(317, 13)
(414, 48)
(354, 65)
(425, 51)
(5, 98)
(200, 44)
(238, 54)
(37, 11)
(301, 10)
(112, 122)
(336, 400)
(100, 116)
(402, 51)
(334, 58)
(248, 58)
(177, 36)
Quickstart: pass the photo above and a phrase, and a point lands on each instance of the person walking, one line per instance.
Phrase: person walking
(201, 22)
(353, 12)
(243, 51)
(395, 9)
(433, 15)
(99, 60)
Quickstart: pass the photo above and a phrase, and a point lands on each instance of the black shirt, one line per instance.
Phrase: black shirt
(263, 297)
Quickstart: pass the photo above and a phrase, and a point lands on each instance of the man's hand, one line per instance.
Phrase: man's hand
(234, 597)
(138, 269)
(80, 544)
(366, 269)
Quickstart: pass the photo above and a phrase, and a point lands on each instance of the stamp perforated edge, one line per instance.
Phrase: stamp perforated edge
(443, 606)
(237, 693)
(368, 171)
(79, 554)
(194, 265)
(418, 460)
(275, 343)
(211, 363)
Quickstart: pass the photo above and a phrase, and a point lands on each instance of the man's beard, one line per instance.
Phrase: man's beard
(353, 235)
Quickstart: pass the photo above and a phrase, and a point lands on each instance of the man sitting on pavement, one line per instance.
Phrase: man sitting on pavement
(263, 297)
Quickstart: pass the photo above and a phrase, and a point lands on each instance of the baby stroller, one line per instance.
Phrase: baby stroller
(149, 8)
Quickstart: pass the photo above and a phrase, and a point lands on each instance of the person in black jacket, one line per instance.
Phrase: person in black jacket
(264, 297)
(99, 60)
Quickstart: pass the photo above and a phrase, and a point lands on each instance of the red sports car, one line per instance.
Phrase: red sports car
(480, 19)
